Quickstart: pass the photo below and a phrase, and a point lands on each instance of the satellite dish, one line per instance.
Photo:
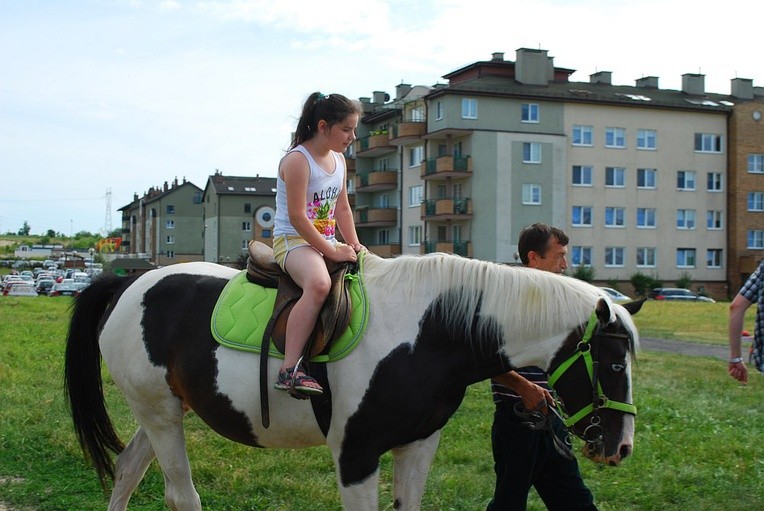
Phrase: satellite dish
(265, 217)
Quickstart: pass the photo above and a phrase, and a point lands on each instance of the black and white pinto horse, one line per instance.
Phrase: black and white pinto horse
(437, 324)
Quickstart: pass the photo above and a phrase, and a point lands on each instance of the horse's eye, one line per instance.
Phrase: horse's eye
(617, 367)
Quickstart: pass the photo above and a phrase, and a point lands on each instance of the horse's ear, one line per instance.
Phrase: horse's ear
(604, 311)
(633, 307)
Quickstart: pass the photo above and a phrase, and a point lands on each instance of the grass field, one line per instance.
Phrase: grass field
(697, 444)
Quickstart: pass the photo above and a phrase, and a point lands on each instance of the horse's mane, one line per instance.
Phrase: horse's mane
(533, 304)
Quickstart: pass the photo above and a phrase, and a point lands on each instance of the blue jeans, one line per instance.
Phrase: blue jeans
(525, 458)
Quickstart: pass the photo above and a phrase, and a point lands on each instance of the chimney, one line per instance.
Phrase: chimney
(603, 77)
(742, 88)
(401, 90)
(694, 83)
(497, 56)
(380, 97)
(647, 82)
(165, 187)
(533, 67)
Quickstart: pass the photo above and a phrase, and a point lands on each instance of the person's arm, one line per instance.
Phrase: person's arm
(737, 368)
(532, 395)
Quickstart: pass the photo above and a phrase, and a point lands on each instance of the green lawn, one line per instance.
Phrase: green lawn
(697, 444)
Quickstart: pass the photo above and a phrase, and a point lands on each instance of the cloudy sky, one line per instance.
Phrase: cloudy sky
(123, 95)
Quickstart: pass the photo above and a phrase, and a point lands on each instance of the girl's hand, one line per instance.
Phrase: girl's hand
(341, 253)
(358, 247)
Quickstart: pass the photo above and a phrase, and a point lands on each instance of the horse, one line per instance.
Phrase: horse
(437, 324)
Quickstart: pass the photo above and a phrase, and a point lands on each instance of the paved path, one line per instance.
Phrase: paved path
(684, 347)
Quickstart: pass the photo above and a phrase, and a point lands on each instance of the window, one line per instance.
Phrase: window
(530, 112)
(417, 114)
(713, 220)
(614, 217)
(581, 256)
(244, 245)
(714, 258)
(614, 256)
(714, 182)
(416, 155)
(646, 139)
(531, 194)
(170, 254)
(247, 207)
(582, 175)
(170, 240)
(685, 258)
(755, 201)
(755, 239)
(581, 216)
(531, 152)
(708, 143)
(438, 110)
(615, 176)
(582, 135)
(170, 209)
(685, 219)
(469, 108)
(645, 257)
(685, 180)
(246, 226)
(756, 163)
(415, 235)
(615, 137)
(170, 224)
(646, 178)
(383, 237)
(646, 218)
(383, 200)
(415, 196)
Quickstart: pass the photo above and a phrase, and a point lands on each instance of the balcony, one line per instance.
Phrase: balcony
(461, 248)
(445, 167)
(407, 131)
(454, 208)
(385, 250)
(376, 143)
(365, 216)
(376, 181)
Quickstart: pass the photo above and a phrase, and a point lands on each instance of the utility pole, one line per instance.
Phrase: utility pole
(107, 220)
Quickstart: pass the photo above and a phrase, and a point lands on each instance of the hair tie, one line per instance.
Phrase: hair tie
(320, 97)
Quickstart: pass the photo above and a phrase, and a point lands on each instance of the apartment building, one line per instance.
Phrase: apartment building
(236, 210)
(643, 179)
(164, 225)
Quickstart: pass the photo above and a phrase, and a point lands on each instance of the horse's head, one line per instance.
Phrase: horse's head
(592, 375)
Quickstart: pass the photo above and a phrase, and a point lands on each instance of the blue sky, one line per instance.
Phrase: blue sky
(124, 95)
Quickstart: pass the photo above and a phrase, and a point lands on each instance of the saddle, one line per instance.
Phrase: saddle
(333, 319)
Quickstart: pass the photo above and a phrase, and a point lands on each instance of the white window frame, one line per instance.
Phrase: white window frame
(615, 217)
(615, 177)
(714, 258)
(686, 180)
(170, 239)
(585, 175)
(415, 235)
(532, 152)
(169, 224)
(584, 212)
(529, 112)
(438, 110)
(416, 156)
(648, 257)
(580, 256)
(646, 175)
(469, 108)
(715, 182)
(531, 194)
(647, 140)
(169, 254)
(583, 135)
(383, 237)
(714, 220)
(646, 218)
(614, 257)
(246, 226)
(615, 138)
(685, 219)
(708, 143)
(416, 196)
(756, 163)
(755, 201)
(686, 257)
(755, 239)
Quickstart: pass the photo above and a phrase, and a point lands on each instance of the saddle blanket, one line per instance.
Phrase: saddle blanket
(243, 310)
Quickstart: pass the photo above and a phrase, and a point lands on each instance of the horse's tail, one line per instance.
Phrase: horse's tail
(83, 384)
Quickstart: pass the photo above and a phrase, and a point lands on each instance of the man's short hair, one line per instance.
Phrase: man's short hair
(535, 238)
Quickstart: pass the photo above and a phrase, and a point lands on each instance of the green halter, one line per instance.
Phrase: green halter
(599, 399)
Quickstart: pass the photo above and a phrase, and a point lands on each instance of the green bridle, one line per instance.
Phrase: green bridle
(599, 399)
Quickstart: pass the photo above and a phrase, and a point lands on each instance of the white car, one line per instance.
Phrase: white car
(616, 295)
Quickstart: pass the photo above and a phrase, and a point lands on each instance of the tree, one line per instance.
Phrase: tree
(51, 233)
(24, 231)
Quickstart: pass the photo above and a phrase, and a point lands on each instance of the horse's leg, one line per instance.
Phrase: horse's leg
(411, 463)
(131, 465)
(361, 496)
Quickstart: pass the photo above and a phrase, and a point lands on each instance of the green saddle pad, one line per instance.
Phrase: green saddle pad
(243, 310)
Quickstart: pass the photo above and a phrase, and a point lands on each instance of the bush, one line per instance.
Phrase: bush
(585, 273)
(684, 281)
(644, 283)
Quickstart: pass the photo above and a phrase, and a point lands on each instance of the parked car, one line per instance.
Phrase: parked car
(616, 295)
(43, 286)
(65, 289)
(676, 293)
(20, 289)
